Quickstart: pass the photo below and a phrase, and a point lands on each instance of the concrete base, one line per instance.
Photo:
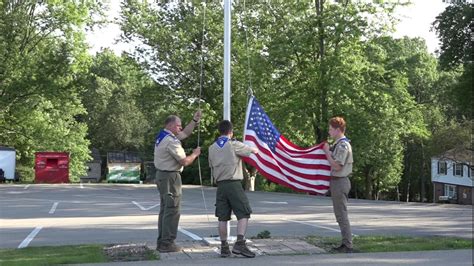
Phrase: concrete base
(216, 241)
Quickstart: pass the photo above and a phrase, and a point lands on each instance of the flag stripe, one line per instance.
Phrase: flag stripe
(294, 148)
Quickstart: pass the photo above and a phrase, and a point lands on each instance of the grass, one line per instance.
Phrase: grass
(394, 243)
(49, 255)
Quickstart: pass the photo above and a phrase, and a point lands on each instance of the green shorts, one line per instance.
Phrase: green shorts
(231, 197)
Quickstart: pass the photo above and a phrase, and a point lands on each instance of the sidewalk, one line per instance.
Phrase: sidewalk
(298, 252)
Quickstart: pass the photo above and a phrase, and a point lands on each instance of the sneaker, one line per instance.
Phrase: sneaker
(240, 248)
(342, 249)
(225, 251)
(166, 248)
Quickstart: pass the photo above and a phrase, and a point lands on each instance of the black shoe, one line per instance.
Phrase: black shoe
(166, 248)
(240, 248)
(342, 249)
(225, 251)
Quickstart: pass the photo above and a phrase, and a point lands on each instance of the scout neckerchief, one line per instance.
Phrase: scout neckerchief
(221, 141)
(163, 133)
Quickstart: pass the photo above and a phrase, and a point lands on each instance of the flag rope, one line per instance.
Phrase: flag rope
(201, 80)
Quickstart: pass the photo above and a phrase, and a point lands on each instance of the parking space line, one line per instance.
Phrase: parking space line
(53, 208)
(275, 202)
(143, 208)
(82, 186)
(26, 187)
(318, 226)
(30, 237)
(191, 235)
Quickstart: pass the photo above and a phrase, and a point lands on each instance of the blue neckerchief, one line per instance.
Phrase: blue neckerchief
(221, 141)
(160, 137)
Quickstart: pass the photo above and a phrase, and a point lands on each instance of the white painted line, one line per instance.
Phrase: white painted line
(27, 186)
(82, 186)
(191, 235)
(53, 208)
(275, 202)
(30, 237)
(143, 208)
(319, 226)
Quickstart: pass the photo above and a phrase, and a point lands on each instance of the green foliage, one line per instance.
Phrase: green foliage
(114, 102)
(454, 29)
(42, 51)
(265, 234)
(53, 255)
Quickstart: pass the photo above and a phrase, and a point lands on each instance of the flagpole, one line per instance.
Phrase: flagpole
(227, 31)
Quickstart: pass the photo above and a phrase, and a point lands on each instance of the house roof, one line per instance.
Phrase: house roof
(459, 155)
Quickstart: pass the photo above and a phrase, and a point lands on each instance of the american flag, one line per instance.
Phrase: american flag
(279, 160)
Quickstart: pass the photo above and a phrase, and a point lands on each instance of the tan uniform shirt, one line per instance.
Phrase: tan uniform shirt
(168, 153)
(342, 154)
(225, 161)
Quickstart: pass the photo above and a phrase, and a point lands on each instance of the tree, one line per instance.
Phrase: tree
(42, 50)
(113, 97)
(454, 29)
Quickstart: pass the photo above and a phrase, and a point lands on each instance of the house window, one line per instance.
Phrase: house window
(450, 191)
(442, 168)
(457, 169)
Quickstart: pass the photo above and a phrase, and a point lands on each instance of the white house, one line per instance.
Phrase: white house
(452, 177)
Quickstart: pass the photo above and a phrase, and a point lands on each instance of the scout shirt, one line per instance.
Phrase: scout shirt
(342, 154)
(224, 159)
(168, 152)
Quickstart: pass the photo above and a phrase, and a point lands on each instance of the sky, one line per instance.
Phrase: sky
(416, 21)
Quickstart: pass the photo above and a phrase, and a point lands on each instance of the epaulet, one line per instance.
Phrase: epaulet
(173, 137)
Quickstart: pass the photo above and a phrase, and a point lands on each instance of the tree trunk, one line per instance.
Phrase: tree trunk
(368, 183)
(423, 166)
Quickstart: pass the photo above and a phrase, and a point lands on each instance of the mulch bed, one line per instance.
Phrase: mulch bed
(128, 252)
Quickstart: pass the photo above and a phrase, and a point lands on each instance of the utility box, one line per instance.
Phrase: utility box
(7, 164)
(123, 167)
(52, 167)
(94, 168)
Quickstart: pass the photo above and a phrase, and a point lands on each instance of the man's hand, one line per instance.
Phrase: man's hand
(326, 148)
(197, 151)
(197, 116)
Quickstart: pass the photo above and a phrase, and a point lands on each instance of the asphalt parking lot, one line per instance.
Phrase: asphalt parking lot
(63, 214)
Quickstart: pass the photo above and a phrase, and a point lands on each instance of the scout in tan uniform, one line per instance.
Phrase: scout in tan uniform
(169, 159)
(340, 158)
(226, 169)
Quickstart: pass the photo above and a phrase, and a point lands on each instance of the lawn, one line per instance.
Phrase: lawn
(53, 255)
(394, 243)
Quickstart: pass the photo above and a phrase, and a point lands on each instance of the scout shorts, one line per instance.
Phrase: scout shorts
(230, 198)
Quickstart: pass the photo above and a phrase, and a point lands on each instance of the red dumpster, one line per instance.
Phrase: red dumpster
(51, 167)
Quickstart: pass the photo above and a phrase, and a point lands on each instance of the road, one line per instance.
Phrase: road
(63, 214)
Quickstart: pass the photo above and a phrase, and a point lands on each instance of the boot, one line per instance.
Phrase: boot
(168, 247)
(342, 249)
(225, 251)
(240, 248)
